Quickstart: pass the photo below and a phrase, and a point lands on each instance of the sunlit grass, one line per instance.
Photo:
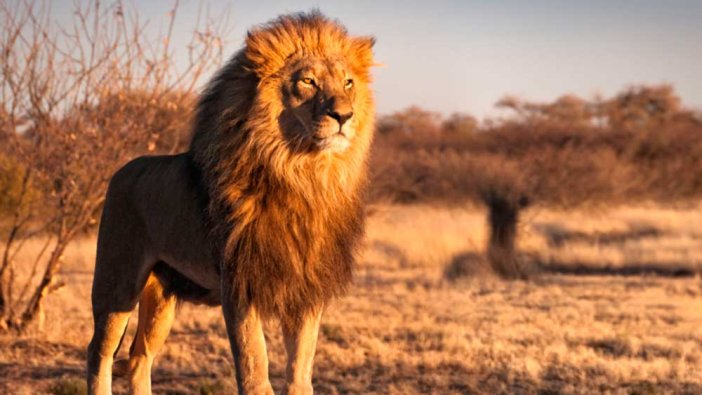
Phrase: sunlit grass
(404, 329)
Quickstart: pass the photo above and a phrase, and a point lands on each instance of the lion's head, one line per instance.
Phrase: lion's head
(314, 79)
(295, 95)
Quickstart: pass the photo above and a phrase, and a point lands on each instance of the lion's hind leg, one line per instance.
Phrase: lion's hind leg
(115, 294)
(156, 313)
(122, 266)
(111, 312)
(109, 329)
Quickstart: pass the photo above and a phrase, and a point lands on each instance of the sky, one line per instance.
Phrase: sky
(463, 56)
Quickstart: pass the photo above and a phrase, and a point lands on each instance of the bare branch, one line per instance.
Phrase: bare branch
(80, 100)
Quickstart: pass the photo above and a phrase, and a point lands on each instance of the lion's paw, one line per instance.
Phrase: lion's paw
(298, 389)
(261, 389)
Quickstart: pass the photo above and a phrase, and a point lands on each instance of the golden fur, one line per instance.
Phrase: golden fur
(290, 218)
(262, 215)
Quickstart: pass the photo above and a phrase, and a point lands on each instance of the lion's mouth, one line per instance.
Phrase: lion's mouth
(336, 142)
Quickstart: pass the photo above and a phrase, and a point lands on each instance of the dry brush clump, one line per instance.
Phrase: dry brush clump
(77, 101)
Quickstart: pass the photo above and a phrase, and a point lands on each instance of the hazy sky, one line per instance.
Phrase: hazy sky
(464, 55)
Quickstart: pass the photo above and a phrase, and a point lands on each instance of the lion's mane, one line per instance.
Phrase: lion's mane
(286, 224)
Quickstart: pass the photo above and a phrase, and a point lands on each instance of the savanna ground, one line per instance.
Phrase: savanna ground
(614, 305)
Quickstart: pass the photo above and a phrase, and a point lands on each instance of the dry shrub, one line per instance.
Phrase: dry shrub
(69, 387)
(79, 100)
(17, 196)
(554, 167)
(467, 265)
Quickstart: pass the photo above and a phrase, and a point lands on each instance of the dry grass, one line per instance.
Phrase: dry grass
(648, 238)
(405, 329)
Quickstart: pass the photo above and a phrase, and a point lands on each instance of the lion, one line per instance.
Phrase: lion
(262, 215)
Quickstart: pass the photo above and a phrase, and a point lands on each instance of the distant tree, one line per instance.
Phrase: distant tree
(521, 109)
(567, 110)
(505, 187)
(642, 107)
(460, 124)
(413, 121)
(637, 108)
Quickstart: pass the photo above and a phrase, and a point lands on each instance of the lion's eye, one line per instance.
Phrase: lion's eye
(307, 81)
(348, 83)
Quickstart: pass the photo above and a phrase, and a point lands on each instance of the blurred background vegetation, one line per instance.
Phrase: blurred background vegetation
(641, 144)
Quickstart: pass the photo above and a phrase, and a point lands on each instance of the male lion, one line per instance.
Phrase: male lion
(262, 214)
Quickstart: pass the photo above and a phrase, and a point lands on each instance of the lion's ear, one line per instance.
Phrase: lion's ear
(361, 54)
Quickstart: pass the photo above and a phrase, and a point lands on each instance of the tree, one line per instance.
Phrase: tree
(642, 107)
(413, 120)
(77, 102)
(460, 124)
(567, 110)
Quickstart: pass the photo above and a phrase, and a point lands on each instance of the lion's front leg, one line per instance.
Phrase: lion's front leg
(300, 343)
(245, 331)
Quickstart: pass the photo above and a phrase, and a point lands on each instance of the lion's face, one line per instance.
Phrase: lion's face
(318, 104)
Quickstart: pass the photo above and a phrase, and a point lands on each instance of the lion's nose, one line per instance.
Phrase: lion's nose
(340, 117)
